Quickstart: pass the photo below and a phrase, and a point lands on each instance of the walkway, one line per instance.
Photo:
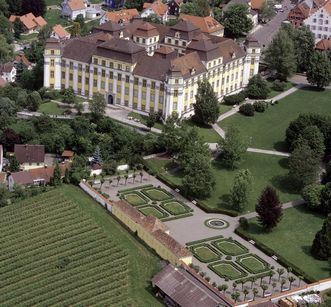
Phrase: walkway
(269, 152)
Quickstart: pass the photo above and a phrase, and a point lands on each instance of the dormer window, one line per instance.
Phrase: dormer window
(177, 35)
(192, 71)
(233, 55)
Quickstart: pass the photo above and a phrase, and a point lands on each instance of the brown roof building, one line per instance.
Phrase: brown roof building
(183, 288)
(30, 22)
(29, 153)
(122, 16)
(324, 45)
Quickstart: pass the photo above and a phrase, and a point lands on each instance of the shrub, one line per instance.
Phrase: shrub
(260, 106)
(312, 195)
(243, 222)
(228, 257)
(207, 278)
(247, 109)
(278, 85)
(257, 88)
(234, 99)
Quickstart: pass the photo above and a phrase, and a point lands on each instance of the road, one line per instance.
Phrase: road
(265, 33)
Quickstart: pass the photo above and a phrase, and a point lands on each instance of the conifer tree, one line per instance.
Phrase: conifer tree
(321, 248)
(56, 179)
(97, 157)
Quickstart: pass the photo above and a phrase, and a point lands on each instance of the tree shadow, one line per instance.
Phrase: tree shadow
(283, 163)
(225, 201)
(306, 249)
(284, 184)
(281, 146)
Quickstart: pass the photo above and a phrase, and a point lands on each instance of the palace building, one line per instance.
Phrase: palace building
(150, 67)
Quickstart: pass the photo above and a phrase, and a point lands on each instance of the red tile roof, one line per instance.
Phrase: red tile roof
(60, 31)
(206, 24)
(29, 153)
(122, 16)
(158, 7)
(30, 21)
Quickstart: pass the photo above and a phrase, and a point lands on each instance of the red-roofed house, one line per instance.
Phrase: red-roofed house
(30, 22)
(121, 17)
(60, 33)
(157, 8)
(21, 58)
(324, 45)
(72, 8)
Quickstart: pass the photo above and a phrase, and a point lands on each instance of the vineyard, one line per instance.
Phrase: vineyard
(53, 253)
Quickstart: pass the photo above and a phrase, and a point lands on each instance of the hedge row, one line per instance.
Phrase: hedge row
(136, 188)
(204, 240)
(167, 219)
(280, 259)
(256, 276)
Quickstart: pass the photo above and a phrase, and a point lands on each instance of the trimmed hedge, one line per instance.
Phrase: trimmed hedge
(257, 276)
(136, 188)
(145, 192)
(211, 267)
(217, 257)
(247, 109)
(244, 248)
(234, 99)
(247, 268)
(176, 217)
(165, 214)
(204, 240)
(260, 106)
(297, 271)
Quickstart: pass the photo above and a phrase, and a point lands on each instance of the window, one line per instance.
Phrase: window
(184, 44)
(87, 81)
(103, 63)
(127, 68)
(127, 79)
(119, 77)
(143, 95)
(52, 52)
(103, 85)
(144, 41)
(191, 94)
(176, 41)
(111, 75)
(80, 66)
(119, 66)
(63, 75)
(70, 77)
(63, 63)
(95, 71)
(103, 73)
(52, 74)
(95, 83)
(118, 89)
(52, 62)
(135, 93)
(110, 87)
(71, 65)
(161, 99)
(176, 81)
(251, 72)
(144, 83)
(152, 97)
(252, 61)
(95, 61)
(79, 79)
(186, 96)
(175, 93)
(126, 91)
(87, 68)
(161, 87)
(314, 20)
(111, 64)
(135, 81)
(153, 85)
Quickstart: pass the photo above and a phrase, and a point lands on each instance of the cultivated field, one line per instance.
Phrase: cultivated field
(54, 253)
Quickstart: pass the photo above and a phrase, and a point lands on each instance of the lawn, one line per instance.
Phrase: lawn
(204, 253)
(51, 108)
(230, 247)
(252, 263)
(28, 37)
(143, 120)
(156, 194)
(274, 93)
(227, 270)
(53, 2)
(175, 208)
(53, 17)
(224, 108)
(267, 130)
(61, 248)
(149, 210)
(135, 199)
(207, 133)
(292, 240)
(265, 169)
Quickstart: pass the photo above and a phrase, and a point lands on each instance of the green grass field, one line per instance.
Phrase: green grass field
(156, 194)
(267, 130)
(149, 210)
(227, 270)
(51, 108)
(292, 239)
(143, 120)
(252, 263)
(274, 93)
(230, 247)
(207, 133)
(61, 248)
(265, 169)
(175, 208)
(135, 199)
(53, 17)
(204, 253)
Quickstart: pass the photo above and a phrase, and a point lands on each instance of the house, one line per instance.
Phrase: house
(300, 13)
(121, 16)
(72, 8)
(21, 58)
(323, 45)
(30, 156)
(67, 155)
(31, 23)
(157, 8)
(178, 286)
(320, 22)
(174, 7)
(8, 72)
(60, 33)
(257, 5)
(208, 25)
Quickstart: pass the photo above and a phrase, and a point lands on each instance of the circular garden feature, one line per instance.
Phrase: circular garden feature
(134, 198)
(216, 223)
(228, 270)
(175, 207)
(230, 247)
(151, 210)
(205, 253)
(156, 194)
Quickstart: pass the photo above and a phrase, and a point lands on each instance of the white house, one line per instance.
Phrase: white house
(8, 72)
(157, 8)
(320, 22)
(72, 8)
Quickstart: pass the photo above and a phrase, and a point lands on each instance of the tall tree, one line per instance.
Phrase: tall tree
(97, 157)
(20, 67)
(311, 194)
(240, 191)
(236, 20)
(18, 28)
(304, 166)
(4, 7)
(269, 209)
(196, 8)
(75, 29)
(9, 138)
(14, 165)
(280, 55)
(206, 110)
(6, 51)
(267, 11)
(321, 248)
(319, 70)
(33, 101)
(14, 6)
(326, 198)
(36, 7)
(6, 28)
(97, 105)
(232, 148)
(257, 88)
(56, 179)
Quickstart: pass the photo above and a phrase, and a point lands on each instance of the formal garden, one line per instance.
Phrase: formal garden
(150, 200)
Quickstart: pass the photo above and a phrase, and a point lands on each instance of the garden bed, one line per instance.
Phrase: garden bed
(157, 194)
(152, 210)
(135, 198)
(252, 263)
(230, 247)
(175, 207)
(227, 269)
(205, 253)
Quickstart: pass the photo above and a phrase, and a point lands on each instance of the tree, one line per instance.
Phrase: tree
(224, 287)
(75, 29)
(97, 157)
(196, 8)
(153, 18)
(257, 88)
(33, 101)
(118, 178)
(327, 174)
(280, 55)
(6, 28)
(18, 27)
(314, 138)
(291, 279)
(9, 138)
(56, 179)
(282, 283)
(14, 6)
(255, 292)
(304, 166)
(321, 248)
(151, 119)
(14, 165)
(141, 176)
(7, 106)
(206, 109)
(246, 292)
(264, 288)
(280, 272)
(312, 195)
(4, 7)
(235, 296)
(319, 70)
(240, 190)
(44, 34)
(4, 195)
(6, 50)
(326, 198)
(80, 19)
(36, 7)
(97, 105)
(267, 11)
(20, 67)
(232, 148)
(269, 209)
(236, 21)
(69, 96)
(270, 274)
